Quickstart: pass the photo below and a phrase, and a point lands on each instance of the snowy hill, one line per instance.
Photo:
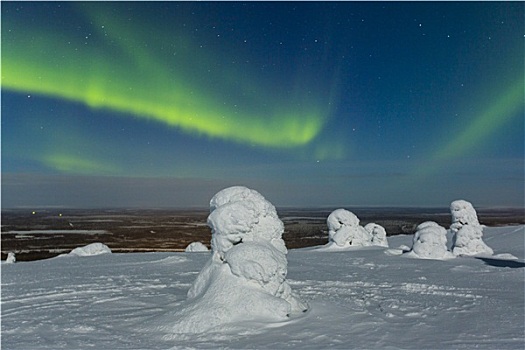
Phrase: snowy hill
(359, 299)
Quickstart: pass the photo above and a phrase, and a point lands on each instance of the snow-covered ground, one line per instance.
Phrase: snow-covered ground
(361, 298)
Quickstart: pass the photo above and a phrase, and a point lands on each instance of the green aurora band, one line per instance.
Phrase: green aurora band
(77, 165)
(116, 72)
(503, 109)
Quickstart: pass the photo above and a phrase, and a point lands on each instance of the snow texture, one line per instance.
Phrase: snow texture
(468, 233)
(430, 242)
(359, 299)
(245, 278)
(344, 230)
(90, 250)
(196, 247)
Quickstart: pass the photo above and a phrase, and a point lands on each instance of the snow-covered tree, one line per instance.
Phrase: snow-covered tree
(344, 230)
(378, 234)
(430, 242)
(245, 278)
(10, 258)
(463, 213)
(468, 233)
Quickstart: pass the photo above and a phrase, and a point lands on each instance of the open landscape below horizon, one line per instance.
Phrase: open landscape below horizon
(365, 298)
(49, 232)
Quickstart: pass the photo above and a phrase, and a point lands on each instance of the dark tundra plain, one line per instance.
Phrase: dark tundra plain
(46, 233)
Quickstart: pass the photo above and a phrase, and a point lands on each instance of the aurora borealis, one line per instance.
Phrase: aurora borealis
(120, 74)
(346, 103)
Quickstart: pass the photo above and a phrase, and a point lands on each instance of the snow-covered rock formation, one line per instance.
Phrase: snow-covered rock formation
(11, 258)
(90, 250)
(344, 230)
(430, 242)
(378, 234)
(468, 233)
(196, 247)
(245, 278)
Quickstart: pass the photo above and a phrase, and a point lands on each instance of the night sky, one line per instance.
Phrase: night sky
(163, 104)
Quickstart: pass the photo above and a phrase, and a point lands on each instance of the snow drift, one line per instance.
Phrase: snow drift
(245, 278)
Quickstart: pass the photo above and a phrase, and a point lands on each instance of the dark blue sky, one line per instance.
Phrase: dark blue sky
(157, 104)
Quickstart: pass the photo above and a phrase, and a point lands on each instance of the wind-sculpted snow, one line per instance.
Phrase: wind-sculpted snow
(245, 278)
(468, 233)
(359, 299)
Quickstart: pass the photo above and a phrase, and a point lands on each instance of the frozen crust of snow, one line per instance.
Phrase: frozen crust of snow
(91, 249)
(196, 247)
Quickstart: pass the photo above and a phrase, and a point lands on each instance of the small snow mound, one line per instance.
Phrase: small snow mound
(11, 258)
(344, 230)
(468, 233)
(196, 247)
(91, 249)
(430, 242)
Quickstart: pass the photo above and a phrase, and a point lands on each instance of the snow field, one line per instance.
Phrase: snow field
(358, 299)
(361, 294)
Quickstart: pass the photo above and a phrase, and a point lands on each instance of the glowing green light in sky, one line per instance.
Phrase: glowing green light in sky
(118, 73)
(77, 165)
(501, 111)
